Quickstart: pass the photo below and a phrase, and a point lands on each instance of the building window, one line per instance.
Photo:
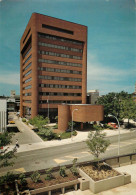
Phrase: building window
(27, 94)
(57, 29)
(27, 80)
(46, 36)
(59, 70)
(28, 66)
(58, 94)
(28, 87)
(59, 47)
(60, 86)
(27, 73)
(27, 101)
(59, 62)
(59, 78)
(27, 52)
(59, 55)
(27, 59)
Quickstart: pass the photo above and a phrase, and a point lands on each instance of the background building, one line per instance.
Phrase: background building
(3, 114)
(92, 96)
(53, 65)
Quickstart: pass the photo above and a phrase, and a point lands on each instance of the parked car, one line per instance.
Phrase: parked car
(1, 149)
(114, 125)
(11, 122)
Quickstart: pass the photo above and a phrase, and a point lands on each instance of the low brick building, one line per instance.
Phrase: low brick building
(81, 113)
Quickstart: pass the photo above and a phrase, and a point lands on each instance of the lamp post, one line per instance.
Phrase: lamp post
(48, 108)
(110, 115)
(72, 121)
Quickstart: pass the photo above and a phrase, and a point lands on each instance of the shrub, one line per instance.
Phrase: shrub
(74, 169)
(35, 176)
(23, 120)
(62, 171)
(66, 135)
(97, 127)
(49, 175)
(55, 126)
(22, 179)
(8, 178)
(47, 133)
(38, 121)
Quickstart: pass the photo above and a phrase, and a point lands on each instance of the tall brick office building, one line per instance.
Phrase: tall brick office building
(53, 65)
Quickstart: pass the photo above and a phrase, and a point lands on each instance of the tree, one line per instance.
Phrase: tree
(128, 109)
(112, 103)
(97, 143)
(6, 156)
(39, 121)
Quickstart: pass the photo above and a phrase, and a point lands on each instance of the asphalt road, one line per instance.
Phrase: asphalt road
(54, 156)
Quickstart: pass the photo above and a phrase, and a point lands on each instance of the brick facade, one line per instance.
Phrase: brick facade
(85, 113)
(53, 64)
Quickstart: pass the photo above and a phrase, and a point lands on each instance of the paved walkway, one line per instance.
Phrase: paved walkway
(25, 134)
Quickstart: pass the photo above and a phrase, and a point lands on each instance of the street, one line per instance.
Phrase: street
(59, 155)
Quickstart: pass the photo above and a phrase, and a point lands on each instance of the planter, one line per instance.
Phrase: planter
(61, 186)
(49, 189)
(107, 183)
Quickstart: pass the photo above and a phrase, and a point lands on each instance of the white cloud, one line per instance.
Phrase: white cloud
(97, 72)
(107, 79)
(10, 78)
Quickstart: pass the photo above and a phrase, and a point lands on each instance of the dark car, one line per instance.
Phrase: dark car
(68, 130)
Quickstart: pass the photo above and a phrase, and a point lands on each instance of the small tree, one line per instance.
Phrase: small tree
(49, 175)
(39, 121)
(62, 171)
(22, 179)
(74, 169)
(128, 109)
(35, 176)
(70, 124)
(97, 143)
(6, 156)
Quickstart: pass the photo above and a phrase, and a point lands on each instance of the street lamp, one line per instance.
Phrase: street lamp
(48, 108)
(72, 121)
(110, 115)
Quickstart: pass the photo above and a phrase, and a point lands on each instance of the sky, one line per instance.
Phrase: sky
(111, 57)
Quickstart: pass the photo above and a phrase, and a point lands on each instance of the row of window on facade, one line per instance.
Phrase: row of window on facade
(59, 62)
(54, 102)
(59, 78)
(55, 86)
(59, 70)
(59, 94)
(50, 53)
(54, 62)
(54, 94)
(59, 47)
(46, 36)
(59, 102)
(54, 70)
